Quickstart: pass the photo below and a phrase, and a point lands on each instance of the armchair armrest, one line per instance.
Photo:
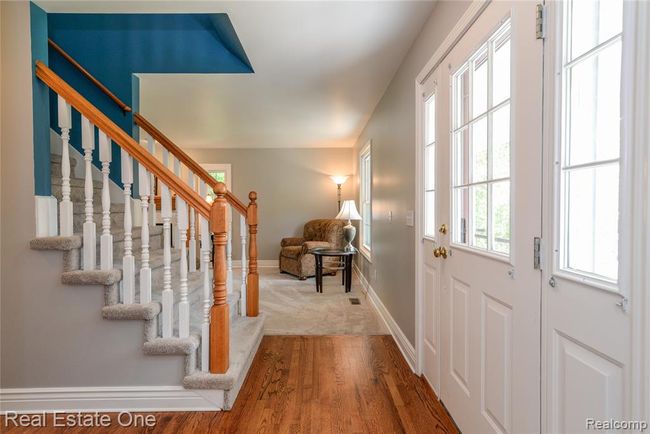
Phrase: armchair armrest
(308, 245)
(292, 241)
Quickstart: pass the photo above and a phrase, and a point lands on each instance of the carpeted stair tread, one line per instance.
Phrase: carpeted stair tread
(145, 312)
(245, 336)
(91, 277)
(56, 243)
(173, 345)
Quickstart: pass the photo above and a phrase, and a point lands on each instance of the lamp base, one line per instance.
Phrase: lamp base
(349, 232)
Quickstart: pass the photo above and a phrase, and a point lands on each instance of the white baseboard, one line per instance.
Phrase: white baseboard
(262, 263)
(46, 210)
(139, 398)
(407, 349)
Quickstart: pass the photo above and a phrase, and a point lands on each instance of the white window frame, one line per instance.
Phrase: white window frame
(499, 34)
(365, 197)
(560, 132)
(426, 170)
(214, 167)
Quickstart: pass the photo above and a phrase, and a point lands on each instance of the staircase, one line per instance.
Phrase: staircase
(187, 295)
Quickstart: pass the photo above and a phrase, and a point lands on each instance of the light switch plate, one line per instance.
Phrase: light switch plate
(410, 218)
(390, 216)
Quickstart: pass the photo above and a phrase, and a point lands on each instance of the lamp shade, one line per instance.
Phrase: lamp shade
(348, 211)
(339, 179)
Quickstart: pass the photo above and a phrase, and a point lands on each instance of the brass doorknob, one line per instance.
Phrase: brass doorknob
(440, 252)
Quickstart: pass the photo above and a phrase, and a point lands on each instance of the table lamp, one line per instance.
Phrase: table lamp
(348, 212)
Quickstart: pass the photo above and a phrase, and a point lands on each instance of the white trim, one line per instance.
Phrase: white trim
(138, 398)
(462, 26)
(261, 263)
(636, 180)
(366, 152)
(407, 349)
(45, 210)
(226, 167)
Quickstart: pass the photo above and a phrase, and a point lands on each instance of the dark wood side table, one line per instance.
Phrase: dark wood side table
(345, 257)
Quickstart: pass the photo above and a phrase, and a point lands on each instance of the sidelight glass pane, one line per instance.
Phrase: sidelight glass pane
(430, 213)
(594, 107)
(501, 74)
(591, 220)
(478, 194)
(501, 143)
(501, 217)
(479, 150)
(430, 120)
(429, 168)
(592, 23)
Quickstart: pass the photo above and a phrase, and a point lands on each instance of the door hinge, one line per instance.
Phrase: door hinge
(540, 22)
(537, 253)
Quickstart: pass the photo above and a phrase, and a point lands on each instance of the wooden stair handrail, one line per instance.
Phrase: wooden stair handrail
(188, 161)
(125, 108)
(123, 140)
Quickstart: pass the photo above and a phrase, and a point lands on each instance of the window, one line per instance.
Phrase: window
(365, 170)
(481, 147)
(220, 172)
(430, 166)
(588, 157)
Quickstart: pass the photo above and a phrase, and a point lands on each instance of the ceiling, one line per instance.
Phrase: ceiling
(320, 70)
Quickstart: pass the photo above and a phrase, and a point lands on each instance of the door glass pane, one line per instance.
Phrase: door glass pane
(479, 150)
(462, 98)
(479, 216)
(592, 220)
(501, 74)
(501, 217)
(461, 215)
(480, 86)
(594, 107)
(461, 157)
(501, 143)
(430, 212)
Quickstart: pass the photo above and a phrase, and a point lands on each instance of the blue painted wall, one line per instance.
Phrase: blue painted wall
(113, 47)
(40, 107)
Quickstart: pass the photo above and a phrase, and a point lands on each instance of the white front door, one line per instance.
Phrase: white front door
(429, 270)
(489, 177)
(586, 329)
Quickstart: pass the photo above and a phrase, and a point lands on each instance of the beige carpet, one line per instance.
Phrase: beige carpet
(293, 307)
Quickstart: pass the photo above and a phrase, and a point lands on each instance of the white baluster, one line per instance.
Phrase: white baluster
(151, 144)
(183, 305)
(243, 233)
(65, 207)
(176, 235)
(192, 243)
(106, 239)
(145, 269)
(206, 249)
(229, 272)
(167, 294)
(128, 262)
(89, 228)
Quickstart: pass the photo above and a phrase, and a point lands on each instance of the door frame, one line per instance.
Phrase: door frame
(453, 37)
(634, 245)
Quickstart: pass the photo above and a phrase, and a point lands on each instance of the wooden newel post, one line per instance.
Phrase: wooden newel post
(253, 281)
(219, 312)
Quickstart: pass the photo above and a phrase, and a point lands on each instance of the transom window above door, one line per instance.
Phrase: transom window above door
(481, 147)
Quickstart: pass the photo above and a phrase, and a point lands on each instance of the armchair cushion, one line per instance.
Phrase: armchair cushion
(308, 245)
(292, 241)
(293, 252)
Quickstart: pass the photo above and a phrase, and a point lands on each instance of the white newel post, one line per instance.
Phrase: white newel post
(89, 228)
(229, 273)
(167, 294)
(206, 250)
(106, 239)
(145, 269)
(151, 144)
(183, 305)
(65, 207)
(192, 242)
(128, 262)
(244, 264)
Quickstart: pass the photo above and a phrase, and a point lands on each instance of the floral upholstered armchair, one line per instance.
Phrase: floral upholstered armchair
(294, 256)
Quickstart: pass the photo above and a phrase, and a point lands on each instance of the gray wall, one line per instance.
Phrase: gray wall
(392, 130)
(51, 335)
(292, 185)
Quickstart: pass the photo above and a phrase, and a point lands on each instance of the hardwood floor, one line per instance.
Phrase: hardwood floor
(315, 384)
